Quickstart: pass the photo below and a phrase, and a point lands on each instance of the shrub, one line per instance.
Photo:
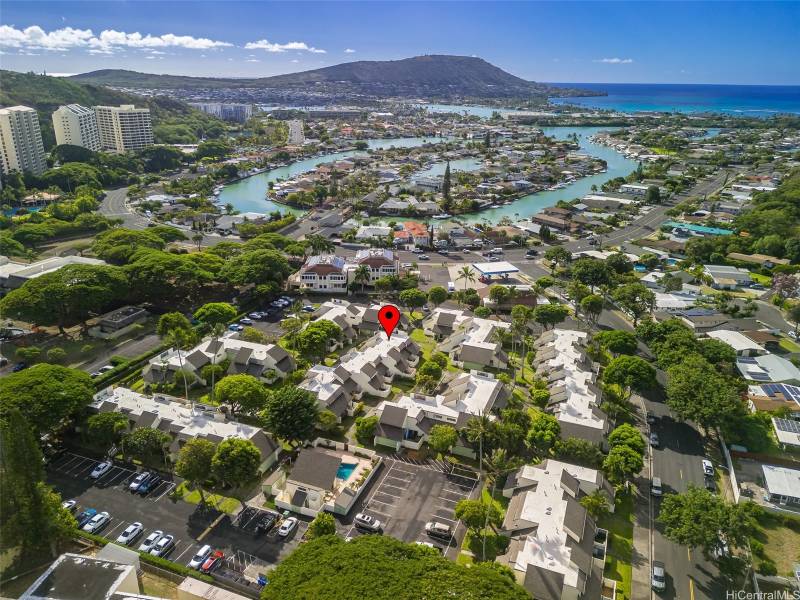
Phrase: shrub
(359, 409)
(56, 355)
(118, 360)
(757, 548)
(767, 567)
(365, 429)
(29, 354)
(86, 348)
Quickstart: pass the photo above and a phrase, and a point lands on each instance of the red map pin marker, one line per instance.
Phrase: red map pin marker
(389, 316)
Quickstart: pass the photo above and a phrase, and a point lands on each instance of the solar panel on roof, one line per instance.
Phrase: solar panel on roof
(757, 376)
(747, 360)
(787, 425)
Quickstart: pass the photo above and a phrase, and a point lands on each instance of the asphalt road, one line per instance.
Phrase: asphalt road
(114, 206)
(678, 463)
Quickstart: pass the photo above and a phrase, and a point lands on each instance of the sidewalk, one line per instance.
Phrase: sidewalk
(640, 559)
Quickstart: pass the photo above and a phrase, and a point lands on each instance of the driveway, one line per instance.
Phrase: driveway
(411, 493)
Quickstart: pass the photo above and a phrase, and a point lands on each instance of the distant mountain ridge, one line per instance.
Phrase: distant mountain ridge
(421, 76)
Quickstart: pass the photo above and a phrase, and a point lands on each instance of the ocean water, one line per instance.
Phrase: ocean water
(744, 100)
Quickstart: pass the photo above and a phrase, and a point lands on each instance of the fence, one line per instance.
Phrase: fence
(731, 472)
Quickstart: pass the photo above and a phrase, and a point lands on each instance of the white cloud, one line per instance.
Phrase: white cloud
(61, 74)
(614, 61)
(349, 51)
(252, 60)
(273, 47)
(294, 60)
(36, 38)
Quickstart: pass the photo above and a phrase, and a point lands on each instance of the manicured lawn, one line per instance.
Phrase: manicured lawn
(496, 545)
(426, 344)
(222, 503)
(620, 546)
(764, 280)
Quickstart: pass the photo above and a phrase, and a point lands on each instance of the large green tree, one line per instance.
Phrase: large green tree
(622, 463)
(242, 393)
(31, 517)
(697, 392)
(313, 341)
(630, 373)
(699, 519)
(549, 315)
(67, 296)
(48, 394)
(258, 267)
(146, 443)
(216, 313)
(236, 462)
(117, 246)
(328, 568)
(543, 433)
(635, 299)
(617, 341)
(291, 414)
(323, 524)
(107, 428)
(194, 462)
(442, 437)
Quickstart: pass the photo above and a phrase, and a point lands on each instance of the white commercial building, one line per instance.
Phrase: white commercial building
(124, 128)
(76, 125)
(21, 146)
(14, 274)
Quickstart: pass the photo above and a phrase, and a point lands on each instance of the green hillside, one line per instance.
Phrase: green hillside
(173, 121)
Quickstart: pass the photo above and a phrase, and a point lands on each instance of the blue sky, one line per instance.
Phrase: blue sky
(613, 42)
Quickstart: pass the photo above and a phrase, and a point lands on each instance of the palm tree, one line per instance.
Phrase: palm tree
(476, 430)
(467, 274)
(179, 338)
(319, 244)
(217, 330)
(362, 274)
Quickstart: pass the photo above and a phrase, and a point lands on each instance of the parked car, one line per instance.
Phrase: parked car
(150, 484)
(246, 321)
(651, 419)
(658, 580)
(438, 530)
(132, 531)
(86, 516)
(424, 257)
(308, 308)
(429, 545)
(235, 327)
(654, 442)
(163, 546)
(138, 481)
(105, 369)
(530, 253)
(708, 468)
(287, 527)
(101, 469)
(150, 541)
(69, 505)
(417, 251)
(655, 487)
(97, 522)
(265, 523)
(365, 522)
(256, 316)
(710, 484)
(200, 557)
(212, 562)
(19, 367)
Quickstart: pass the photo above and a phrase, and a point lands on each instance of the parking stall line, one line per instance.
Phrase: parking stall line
(188, 547)
(397, 487)
(169, 488)
(86, 465)
(108, 532)
(381, 502)
(443, 518)
(448, 500)
(67, 464)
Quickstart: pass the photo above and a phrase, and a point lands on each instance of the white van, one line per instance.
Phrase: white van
(655, 486)
(451, 287)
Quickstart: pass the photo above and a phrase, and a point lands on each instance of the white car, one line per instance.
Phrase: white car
(138, 480)
(199, 558)
(69, 505)
(97, 522)
(163, 546)
(246, 321)
(365, 522)
(150, 541)
(132, 531)
(287, 527)
(101, 469)
(708, 468)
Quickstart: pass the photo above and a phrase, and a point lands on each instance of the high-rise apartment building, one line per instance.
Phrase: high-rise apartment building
(124, 128)
(21, 147)
(226, 111)
(76, 125)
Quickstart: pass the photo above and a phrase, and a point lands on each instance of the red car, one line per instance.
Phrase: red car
(212, 562)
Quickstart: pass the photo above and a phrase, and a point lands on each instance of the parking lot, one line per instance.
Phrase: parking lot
(247, 554)
(411, 493)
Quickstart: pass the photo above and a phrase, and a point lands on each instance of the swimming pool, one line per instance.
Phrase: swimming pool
(345, 470)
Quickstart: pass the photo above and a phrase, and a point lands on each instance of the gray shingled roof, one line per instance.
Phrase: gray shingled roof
(315, 468)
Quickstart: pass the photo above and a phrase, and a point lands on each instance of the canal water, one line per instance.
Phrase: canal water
(249, 195)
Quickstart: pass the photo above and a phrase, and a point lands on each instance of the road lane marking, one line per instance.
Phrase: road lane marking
(691, 588)
(680, 471)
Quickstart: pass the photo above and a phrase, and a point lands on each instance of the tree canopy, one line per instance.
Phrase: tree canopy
(47, 394)
(242, 392)
(291, 414)
(328, 568)
(215, 313)
(236, 462)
